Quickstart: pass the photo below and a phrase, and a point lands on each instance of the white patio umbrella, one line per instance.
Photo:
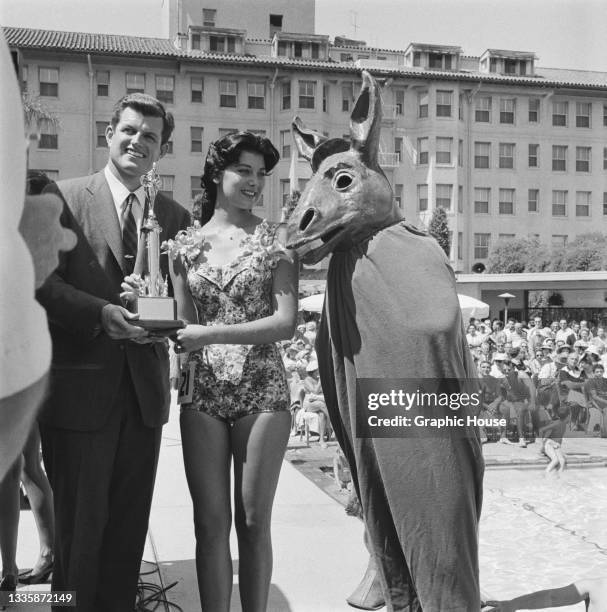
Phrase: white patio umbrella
(312, 303)
(471, 307)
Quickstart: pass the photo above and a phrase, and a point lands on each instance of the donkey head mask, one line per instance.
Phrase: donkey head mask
(348, 197)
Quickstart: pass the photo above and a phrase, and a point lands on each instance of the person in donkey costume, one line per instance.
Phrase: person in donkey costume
(391, 312)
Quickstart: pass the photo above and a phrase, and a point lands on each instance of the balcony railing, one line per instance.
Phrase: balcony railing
(389, 160)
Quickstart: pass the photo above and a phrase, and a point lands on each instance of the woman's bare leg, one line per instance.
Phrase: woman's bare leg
(258, 443)
(40, 496)
(9, 518)
(206, 457)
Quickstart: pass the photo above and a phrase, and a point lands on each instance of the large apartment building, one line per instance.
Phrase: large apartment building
(505, 147)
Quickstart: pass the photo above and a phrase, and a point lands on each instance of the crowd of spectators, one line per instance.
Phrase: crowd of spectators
(308, 407)
(535, 373)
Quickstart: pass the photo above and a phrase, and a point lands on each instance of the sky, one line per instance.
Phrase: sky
(562, 33)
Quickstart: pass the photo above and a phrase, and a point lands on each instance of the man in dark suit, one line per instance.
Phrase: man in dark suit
(109, 395)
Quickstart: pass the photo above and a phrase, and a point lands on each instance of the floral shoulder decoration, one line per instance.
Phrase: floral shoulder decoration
(265, 245)
(187, 244)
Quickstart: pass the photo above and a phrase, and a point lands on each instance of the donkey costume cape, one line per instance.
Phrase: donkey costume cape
(391, 311)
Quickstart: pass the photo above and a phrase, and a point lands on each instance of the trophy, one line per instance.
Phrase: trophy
(157, 311)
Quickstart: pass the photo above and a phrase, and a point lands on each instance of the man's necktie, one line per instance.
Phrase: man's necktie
(129, 233)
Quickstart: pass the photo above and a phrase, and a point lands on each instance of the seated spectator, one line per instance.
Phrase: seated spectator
(517, 335)
(595, 390)
(310, 333)
(314, 401)
(570, 384)
(600, 340)
(565, 333)
(497, 337)
(473, 338)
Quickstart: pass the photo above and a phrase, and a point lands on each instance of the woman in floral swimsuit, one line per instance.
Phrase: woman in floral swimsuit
(237, 289)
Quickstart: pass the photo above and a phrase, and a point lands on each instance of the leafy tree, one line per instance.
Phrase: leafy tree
(586, 252)
(439, 229)
(35, 112)
(516, 255)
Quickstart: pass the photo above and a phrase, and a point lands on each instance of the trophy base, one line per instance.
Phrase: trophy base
(158, 315)
(157, 308)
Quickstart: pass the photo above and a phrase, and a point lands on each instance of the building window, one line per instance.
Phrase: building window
(559, 203)
(422, 151)
(482, 152)
(325, 98)
(228, 93)
(559, 240)
(605, 203)
(195, 188)
(208, 17)
(534, 155)
(100, 127)
(583, 110)
(222, 44)
(443, 196)
(285, 191)
(52, 174)
(481, 245)
(604, 158)
(195, 42)
(196, 139)
(443, 150)
(582, 203)
(482, 196)
(285, 144)
(582, 159)
(286, 95)
(256, 95)
(460, 153)
(533, 200)
(347, 96)
(135, 82)
(559, 158)
(226, 131)
(400, 101)
(169, 147)
(560, 110)
(24, 78)
(482, 112)
(275, 24)
(48, 135)
(307, 94)
(103, 83)
(506, 155)
(506, 202)
(197, 89)
(604, 114)
(460, 244)
(417, 58)
(443, 103)
(506, 236)
(534, 110)
(167, 183)
(507, 110)
(460, 199)
(398, 194)
(165, 88)
(422, 197)
(49, 81)
(422, 104)
(398, 148)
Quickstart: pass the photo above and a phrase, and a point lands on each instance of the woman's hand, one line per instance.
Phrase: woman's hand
(191, 338)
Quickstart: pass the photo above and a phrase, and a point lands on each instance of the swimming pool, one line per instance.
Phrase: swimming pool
(538, 533)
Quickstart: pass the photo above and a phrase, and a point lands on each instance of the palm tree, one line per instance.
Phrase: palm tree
(36, 114)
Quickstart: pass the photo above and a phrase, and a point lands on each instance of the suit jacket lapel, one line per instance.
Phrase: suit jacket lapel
(103, 210)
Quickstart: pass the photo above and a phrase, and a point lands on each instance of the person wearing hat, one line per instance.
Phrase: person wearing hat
(595, 390)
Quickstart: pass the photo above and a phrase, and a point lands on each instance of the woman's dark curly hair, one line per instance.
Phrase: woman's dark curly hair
(223, 153)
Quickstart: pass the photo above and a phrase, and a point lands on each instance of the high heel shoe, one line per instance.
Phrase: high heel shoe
(40, 576)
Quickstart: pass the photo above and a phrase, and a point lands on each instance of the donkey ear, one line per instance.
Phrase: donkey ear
(365, 121)
(306, 140)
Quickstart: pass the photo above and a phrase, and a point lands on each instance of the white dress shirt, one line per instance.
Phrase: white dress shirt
(120, 193)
